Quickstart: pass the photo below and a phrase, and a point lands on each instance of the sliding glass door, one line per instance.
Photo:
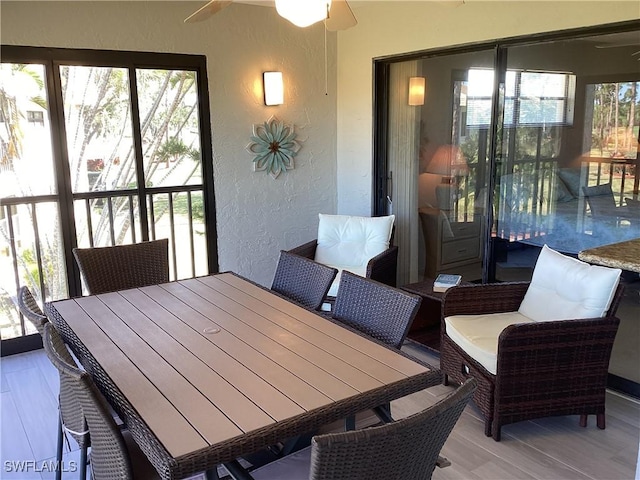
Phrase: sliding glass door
(99, 149)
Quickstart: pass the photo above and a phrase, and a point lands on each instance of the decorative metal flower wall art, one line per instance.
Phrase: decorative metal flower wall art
(274, 146)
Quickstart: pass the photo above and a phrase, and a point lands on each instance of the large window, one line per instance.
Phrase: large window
(99, 149)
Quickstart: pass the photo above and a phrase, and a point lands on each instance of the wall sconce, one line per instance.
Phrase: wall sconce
(416, 90)
(273, 88)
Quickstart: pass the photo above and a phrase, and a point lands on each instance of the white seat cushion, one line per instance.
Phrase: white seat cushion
(563, 288)
(348, 243)
(359, 270)
(295, 466)
(478, 335)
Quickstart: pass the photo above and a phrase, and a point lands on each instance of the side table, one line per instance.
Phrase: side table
(425, 328)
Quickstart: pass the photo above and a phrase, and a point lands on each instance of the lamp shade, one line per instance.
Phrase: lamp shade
(416, 90)
(447, 160)
(303, 13)
(273, 88)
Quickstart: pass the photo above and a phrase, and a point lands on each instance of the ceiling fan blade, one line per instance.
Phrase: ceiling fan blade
(211, 8)
(340, 16)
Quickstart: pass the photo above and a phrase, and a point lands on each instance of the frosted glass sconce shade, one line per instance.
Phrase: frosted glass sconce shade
(303, 13)
(273, 88)
(416, 90)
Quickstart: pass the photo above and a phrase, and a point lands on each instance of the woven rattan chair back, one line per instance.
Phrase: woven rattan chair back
(30, 309)
(302, 280)
(107, 269)
(109, 455)
(381, 311)
(72, 420)
(405, 449)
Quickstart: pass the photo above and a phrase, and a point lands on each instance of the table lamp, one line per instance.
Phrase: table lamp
(449, 162)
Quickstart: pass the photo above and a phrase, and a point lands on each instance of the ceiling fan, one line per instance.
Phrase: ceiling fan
(336, 14)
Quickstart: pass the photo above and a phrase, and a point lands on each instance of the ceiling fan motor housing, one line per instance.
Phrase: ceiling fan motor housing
(303, 13)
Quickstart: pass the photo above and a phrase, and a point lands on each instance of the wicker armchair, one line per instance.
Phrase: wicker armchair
(405, 449)
(544, 368)
(302, 280)
(381, 268)
(381, 311)
(30, 309)
(341, 245)
(107, 269)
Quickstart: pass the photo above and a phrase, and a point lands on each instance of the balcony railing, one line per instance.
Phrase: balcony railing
(32, 252)
(539, 200)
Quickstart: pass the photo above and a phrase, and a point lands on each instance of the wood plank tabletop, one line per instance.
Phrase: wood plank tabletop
(210, 359)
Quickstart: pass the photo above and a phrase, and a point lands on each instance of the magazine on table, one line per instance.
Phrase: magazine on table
(444, 281)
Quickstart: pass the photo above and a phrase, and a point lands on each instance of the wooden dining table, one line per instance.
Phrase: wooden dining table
(205, 370)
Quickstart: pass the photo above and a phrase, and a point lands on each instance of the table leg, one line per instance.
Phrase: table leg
(384, 413)
(212, 474)
(237, 471)
(350, 423)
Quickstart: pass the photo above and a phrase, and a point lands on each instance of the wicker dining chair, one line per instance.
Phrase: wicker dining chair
(112, 451)
(405, 449)
(302, 280)
(380, 311)
(30, 309)
(107, 269)
(71, 418)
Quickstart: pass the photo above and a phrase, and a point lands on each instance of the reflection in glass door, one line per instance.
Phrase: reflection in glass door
(437, 153)
(567, 176)
(569, 171)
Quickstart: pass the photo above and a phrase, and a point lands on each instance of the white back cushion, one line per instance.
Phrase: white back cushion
(346, 241)
(563, 288)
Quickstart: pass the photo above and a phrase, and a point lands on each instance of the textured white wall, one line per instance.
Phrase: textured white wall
(395, 27)
(257, 216)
